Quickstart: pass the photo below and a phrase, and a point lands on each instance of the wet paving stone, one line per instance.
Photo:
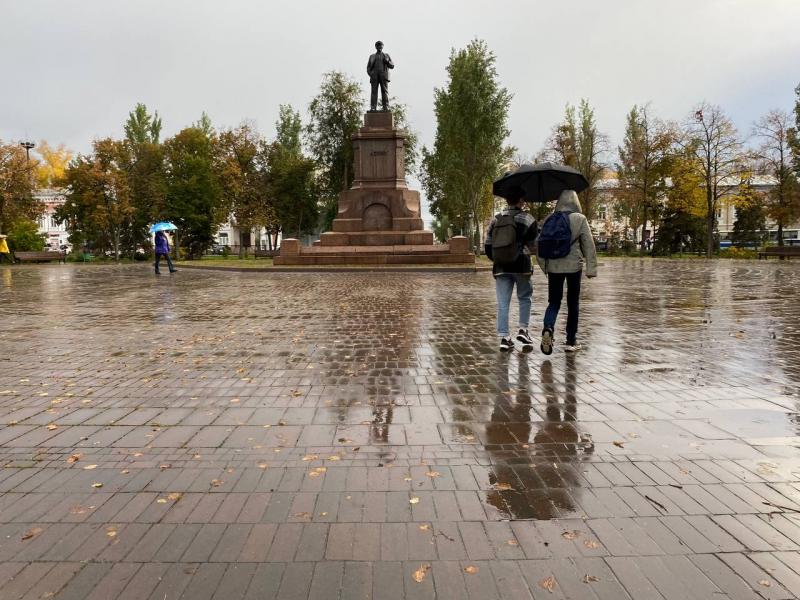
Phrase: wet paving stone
(348, 435)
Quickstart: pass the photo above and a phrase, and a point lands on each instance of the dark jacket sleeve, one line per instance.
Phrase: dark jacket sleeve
(529, 239)
(487, 245)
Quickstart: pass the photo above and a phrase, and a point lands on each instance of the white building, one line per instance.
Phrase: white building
(609, 221)
(56, 235)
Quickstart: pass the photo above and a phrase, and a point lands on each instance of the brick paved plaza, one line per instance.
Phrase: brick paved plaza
(341, 435)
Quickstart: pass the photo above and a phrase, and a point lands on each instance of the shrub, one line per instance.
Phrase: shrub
(734, 252)
(24, 236)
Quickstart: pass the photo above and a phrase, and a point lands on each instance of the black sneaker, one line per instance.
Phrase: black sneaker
(524, 339)
(506, 345)
(547, 341)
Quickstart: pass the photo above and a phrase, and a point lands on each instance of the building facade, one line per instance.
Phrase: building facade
(56, 235)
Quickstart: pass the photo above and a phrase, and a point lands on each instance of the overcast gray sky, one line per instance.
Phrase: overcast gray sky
(71, 70)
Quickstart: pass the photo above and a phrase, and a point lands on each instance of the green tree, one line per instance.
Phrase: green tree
(411, 146)
(288, 128)
(751, 218)
(144, 166)
(291, 177)
(335, 115)
(468, 150)
(142, 127)
(644, 159)
(577, 143)
(194, 200)
(711, 137)
(773, 132)
(441, 229)
(683, 221)
(98, 208)
(23, 235)
(16, 186)
(241, 181)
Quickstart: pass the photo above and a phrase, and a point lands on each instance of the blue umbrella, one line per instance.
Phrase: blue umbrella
(163, 226)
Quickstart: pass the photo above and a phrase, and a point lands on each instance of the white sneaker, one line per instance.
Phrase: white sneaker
(572, 347)
(506, 345)
(524, 339)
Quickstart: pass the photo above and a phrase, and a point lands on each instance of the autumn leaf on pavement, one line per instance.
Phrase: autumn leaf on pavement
(591, 544)
(471, 570)
(419, 574)
(97, 485)
(31, 533)
(619, 444)
(73, 458)
(763, 582)
(503, 486)
(413, 500)
(590, 578)
(570, 535)
(548, 583)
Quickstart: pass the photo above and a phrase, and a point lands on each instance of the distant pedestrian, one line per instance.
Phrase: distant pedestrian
(564, 248)
(5, 252)
(509, 241)
(162, 249)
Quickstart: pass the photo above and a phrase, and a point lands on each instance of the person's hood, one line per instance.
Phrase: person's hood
(568, 202)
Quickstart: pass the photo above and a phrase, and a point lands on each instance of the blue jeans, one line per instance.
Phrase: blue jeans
(555, 292)
(504, 286)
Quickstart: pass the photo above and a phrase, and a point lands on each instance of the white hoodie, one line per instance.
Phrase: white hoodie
(582, 254)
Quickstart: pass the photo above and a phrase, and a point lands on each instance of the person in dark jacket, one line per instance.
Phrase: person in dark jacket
(162, 249)
(517, 273)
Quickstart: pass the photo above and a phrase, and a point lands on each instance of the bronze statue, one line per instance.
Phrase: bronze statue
(378, 67)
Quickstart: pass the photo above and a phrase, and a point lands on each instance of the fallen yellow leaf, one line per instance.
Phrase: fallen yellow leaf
(471, 570)
(419, 574)
(548, 583)
(89, 467)
(413, 500)
(31, 533)
(97, 485)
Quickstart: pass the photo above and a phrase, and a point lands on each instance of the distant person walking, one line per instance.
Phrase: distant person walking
(509, 241)
(162, 249)
(5, 253)
(564, 248)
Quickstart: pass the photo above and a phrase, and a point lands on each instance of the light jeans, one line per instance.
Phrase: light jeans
(504, 285)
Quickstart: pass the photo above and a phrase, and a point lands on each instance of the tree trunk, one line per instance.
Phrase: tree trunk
(711, 220)
(644, 226)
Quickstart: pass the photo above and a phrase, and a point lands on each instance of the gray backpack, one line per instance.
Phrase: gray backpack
(505, 248)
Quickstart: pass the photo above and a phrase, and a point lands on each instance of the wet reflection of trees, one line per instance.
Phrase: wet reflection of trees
(535, 480)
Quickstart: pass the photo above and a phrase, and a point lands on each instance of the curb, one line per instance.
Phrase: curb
(337, 269)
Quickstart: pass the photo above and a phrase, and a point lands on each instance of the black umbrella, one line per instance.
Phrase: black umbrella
(541, 182)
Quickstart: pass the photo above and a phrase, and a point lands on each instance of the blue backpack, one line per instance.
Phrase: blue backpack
(555, 239)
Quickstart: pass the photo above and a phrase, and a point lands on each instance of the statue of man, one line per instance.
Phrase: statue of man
(378, 67)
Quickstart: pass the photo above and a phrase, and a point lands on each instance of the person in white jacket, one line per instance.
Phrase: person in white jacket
(582, 256)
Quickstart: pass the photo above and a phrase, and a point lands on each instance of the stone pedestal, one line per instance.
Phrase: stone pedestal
(379, 220)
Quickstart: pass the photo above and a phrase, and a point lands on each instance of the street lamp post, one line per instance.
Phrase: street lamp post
(28, 147)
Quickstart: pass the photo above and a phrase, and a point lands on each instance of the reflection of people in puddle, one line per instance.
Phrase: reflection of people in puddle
(541, 487)
(382, 417)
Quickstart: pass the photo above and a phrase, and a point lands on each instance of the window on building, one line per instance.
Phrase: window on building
(223, 239)
(602, 213)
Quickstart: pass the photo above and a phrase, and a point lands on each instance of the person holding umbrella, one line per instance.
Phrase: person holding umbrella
(509, 244)
(565, 244)
(162, 244)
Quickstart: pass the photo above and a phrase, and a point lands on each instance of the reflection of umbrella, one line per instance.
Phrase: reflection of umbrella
(541, 182)
(163, 226)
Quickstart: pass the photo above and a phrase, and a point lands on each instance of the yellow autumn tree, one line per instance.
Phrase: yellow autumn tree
(53, 164)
